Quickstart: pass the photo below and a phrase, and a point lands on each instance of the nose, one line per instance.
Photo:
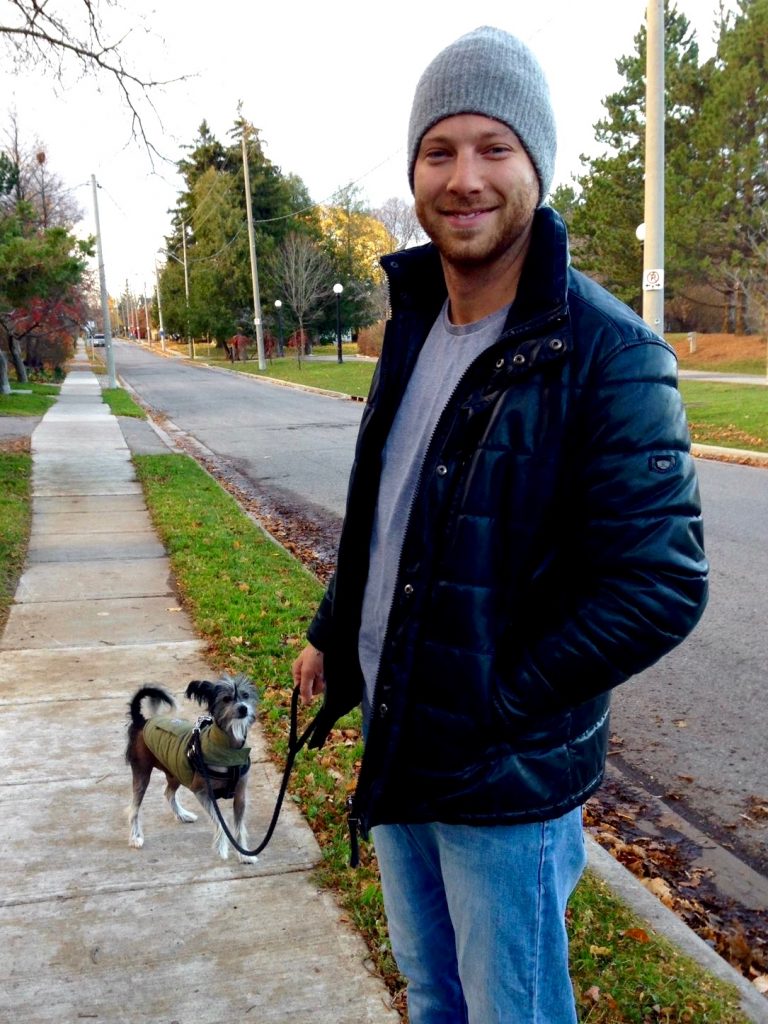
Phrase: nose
(465, 173)
(242, 710)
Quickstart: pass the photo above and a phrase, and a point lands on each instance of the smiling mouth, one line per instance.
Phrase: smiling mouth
(465, 216)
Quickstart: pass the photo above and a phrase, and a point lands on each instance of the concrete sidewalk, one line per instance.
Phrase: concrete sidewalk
(90, 929)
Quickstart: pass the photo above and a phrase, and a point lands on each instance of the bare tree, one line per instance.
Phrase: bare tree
(400, 220)
(41, 37)
(304, 273)
(34, 182)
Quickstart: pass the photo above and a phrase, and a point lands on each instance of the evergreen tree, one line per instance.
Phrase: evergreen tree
(610, 204)
(730, 202)
(211, 219)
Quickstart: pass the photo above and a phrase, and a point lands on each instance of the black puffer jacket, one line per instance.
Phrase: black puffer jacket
(554, 549)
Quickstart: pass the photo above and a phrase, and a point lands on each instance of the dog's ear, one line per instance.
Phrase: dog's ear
(202, 691)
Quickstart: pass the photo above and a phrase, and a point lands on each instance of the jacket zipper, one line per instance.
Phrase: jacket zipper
(358, 823)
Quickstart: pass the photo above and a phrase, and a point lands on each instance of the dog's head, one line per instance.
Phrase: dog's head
(231, 700)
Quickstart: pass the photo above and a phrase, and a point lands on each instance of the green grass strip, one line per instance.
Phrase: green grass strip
(121, 403)
(35, 403)
(252, 602)
(15, 521)
(351, 377)
(729, 415)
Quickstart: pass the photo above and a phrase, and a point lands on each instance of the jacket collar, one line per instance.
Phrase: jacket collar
(416, 275)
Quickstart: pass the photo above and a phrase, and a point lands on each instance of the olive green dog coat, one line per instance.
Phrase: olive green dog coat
(169, 739)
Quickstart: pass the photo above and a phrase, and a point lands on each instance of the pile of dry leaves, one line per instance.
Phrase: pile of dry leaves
(666, 867)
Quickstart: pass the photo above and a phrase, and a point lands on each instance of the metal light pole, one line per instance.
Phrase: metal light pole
(279, 308)
(338, 289)
(254, 265)
(653, 247)
(107, 320)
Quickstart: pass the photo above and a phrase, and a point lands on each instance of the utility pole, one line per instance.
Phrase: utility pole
(146, 318)
(190, 339)
(107, 320)
(252, 246)
(159, 308)
(653, 246)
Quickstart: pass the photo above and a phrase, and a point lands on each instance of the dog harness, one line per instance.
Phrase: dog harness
(171, 741)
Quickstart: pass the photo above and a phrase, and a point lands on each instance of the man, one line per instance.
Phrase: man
(522, 534)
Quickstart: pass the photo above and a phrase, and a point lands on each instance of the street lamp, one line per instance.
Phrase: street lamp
(279, 308)
(337, 290)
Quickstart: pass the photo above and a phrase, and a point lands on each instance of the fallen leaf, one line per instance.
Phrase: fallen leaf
(593, 993)
(761, 983)
(600, 950)
(659, 888)
(638, 934)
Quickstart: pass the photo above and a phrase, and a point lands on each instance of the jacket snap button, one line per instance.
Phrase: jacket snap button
(499, 364)
(383, 710)
(408, 589)
(519, 359)
(556, 344)
(442, 470)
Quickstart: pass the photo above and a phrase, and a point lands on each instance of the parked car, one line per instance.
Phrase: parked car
(98, 341)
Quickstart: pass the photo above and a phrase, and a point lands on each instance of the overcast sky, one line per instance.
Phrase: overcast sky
(329, 85)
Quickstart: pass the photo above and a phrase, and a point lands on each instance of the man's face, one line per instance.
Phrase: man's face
(475, 189)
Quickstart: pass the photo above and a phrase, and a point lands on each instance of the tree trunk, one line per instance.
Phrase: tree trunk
(18, 362)
(300, 342)
(5, 384)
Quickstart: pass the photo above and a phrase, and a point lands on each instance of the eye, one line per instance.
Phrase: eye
(435, 153)
(227, 699)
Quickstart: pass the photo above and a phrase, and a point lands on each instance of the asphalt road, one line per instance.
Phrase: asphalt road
(292, 441)
(692, 728)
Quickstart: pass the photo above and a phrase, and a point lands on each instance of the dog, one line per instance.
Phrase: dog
(163, 741)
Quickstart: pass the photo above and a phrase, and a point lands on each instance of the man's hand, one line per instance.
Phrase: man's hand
(308, 673)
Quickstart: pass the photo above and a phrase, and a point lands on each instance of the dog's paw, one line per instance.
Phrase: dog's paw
(186, 817)
(136, 842)
(247, 860)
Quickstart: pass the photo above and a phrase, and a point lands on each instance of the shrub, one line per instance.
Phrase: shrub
(370, 339)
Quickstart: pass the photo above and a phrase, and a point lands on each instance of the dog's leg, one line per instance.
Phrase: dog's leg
(140, 783)
(172, 796)
(239, 803)
(220, 841)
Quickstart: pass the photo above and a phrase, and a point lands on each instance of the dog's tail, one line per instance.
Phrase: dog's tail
(156, 696)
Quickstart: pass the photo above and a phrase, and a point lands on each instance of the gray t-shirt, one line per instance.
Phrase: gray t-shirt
(447, 353)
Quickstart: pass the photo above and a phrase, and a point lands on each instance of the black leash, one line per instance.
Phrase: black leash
(295, 743)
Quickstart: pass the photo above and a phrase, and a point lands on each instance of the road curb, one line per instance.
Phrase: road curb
(739, 456)
(626, 887)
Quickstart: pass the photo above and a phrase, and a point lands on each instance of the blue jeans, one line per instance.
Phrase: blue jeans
(477, 918)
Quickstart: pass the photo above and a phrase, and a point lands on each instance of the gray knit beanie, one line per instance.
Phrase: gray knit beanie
(488, 72)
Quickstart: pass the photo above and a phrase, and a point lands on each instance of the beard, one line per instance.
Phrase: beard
(474, 247)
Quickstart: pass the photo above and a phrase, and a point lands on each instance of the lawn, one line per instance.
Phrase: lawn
(15, 520)
(731, 415)
(28, 399)
(252, 601)
(350, 377)
(121, 403)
